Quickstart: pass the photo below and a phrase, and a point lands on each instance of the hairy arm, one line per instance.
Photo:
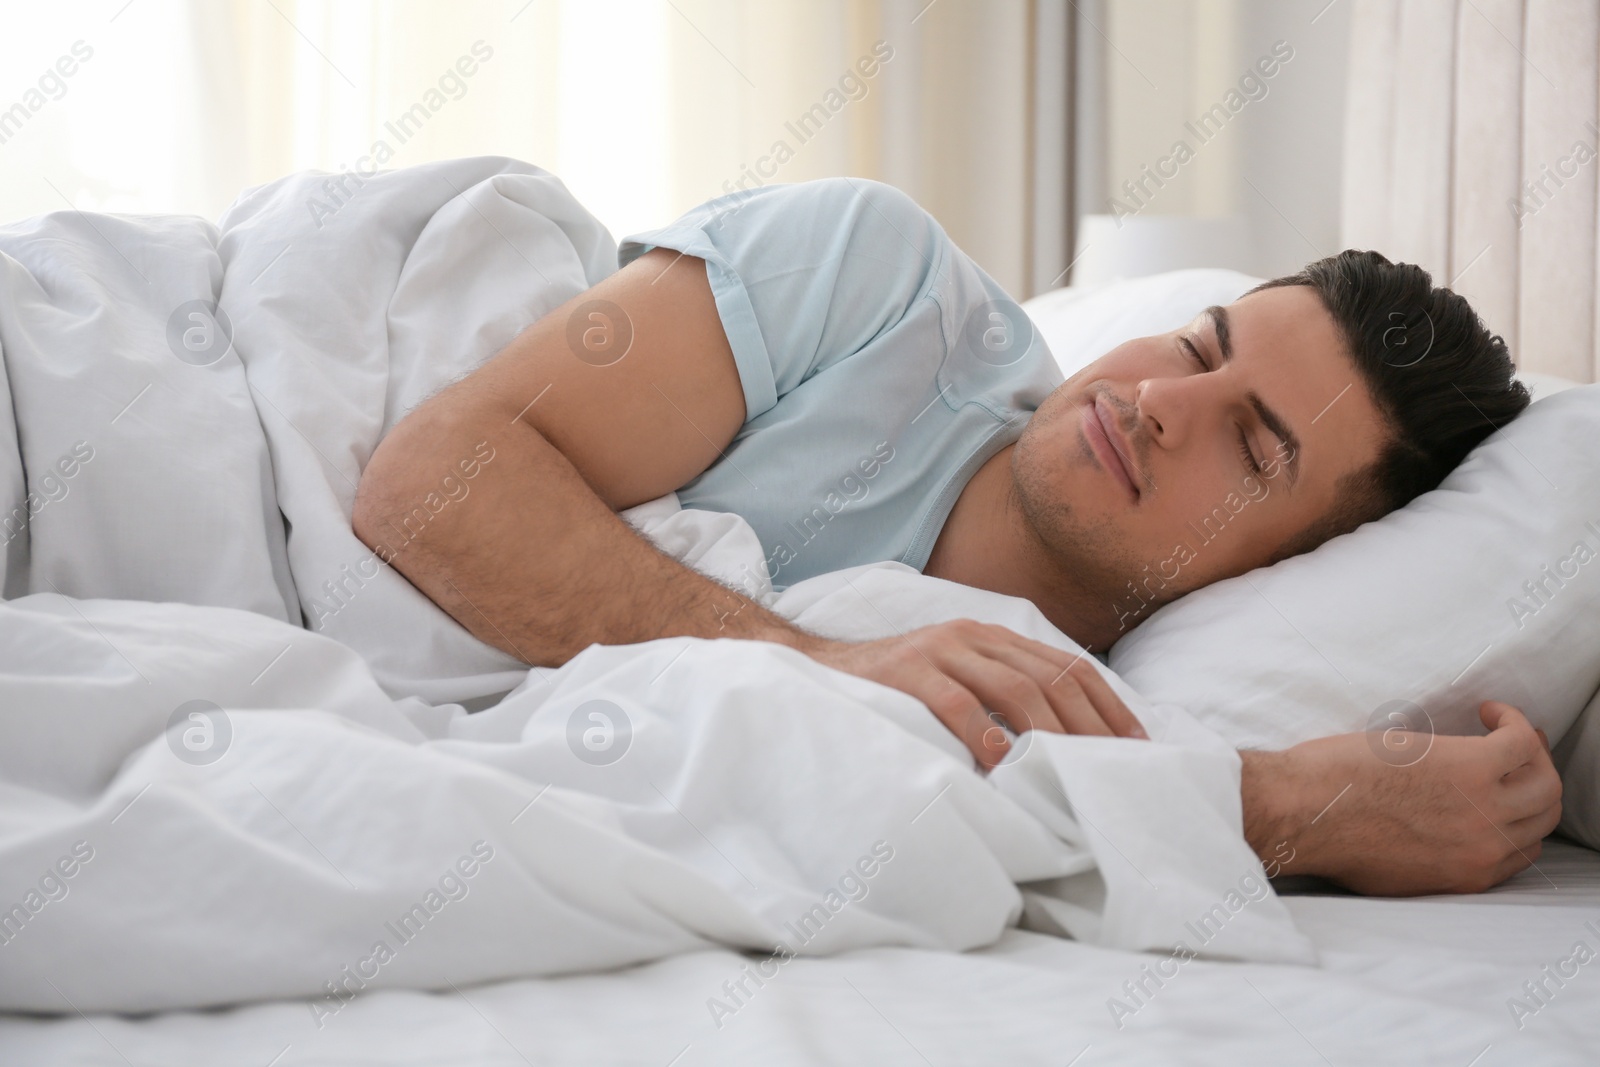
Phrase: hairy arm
(1465, 816)
(535, 562)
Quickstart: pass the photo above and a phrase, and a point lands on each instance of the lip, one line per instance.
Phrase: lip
(1109, 446)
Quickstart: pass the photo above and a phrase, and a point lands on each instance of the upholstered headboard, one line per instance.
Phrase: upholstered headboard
(1471, 148)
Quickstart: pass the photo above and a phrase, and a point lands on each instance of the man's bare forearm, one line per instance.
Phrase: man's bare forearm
(1400, 816)
(530, 560)
(1272, 790)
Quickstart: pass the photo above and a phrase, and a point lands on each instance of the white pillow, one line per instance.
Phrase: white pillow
(1420, 606)
(1426, 605)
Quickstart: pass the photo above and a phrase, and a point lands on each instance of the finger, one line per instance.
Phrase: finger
(1108, 707)
(1073, 709)
(1494, 713)
(1112, 710)
(1003, 689)
(1544, 739)
(962, 714)
(1524, 833)
(1060, 658)
(986, 739)
(955, 706)
(1536, 827)
(1528, 790)
(1511, 736)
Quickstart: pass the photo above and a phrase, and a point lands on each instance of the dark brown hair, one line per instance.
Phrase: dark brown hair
(1440, 379)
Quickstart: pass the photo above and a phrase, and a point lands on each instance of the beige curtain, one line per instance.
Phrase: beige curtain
(644, 107)
(1471, 149)
(648, 107)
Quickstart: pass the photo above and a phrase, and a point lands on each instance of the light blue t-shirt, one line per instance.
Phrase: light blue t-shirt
(881, 368)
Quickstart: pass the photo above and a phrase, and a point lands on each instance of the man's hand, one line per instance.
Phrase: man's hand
(964, 669)
(1464, 817)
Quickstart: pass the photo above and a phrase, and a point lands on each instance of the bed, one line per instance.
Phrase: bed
(237, 754)
(1403, 981)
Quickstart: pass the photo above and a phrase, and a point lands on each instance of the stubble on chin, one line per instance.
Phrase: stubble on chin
(1086, 548)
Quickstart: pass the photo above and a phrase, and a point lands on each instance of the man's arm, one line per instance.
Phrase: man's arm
(1469, 814)
(535, 561)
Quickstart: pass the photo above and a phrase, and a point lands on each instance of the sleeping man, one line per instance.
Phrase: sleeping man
(823, 361)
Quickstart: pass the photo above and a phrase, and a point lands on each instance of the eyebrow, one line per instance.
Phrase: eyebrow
(1269, 418)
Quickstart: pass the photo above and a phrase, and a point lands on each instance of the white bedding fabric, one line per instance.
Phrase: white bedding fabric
(757, 786)
(1402, 982)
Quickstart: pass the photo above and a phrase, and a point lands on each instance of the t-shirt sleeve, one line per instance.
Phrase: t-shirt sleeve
(805, 275)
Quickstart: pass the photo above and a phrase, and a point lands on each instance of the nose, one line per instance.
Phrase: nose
(1164, 411)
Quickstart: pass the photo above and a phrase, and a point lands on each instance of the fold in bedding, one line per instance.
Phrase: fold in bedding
(235, 757)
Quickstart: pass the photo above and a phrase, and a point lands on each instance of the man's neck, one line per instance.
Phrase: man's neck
(987, 542)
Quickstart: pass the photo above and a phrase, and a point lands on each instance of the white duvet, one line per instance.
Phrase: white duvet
(236, 760)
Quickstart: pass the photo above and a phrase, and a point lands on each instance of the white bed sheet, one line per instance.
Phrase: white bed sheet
(1403, 981)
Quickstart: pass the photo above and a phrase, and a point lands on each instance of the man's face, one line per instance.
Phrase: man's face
(1178, 460)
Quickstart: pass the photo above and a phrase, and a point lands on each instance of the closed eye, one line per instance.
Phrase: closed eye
(1245, 453)
(1249, 457)
(1192, 352)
